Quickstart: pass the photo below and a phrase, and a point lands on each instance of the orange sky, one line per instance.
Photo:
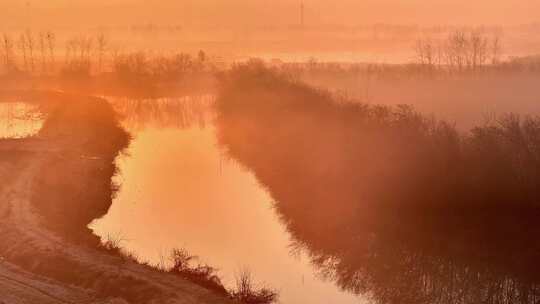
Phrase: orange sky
(235, 13)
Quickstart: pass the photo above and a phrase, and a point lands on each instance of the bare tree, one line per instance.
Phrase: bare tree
(51, 41)
(457, 49)
(71, 51)
(81, 45)
(478, 49)
(440, 55)
(78, 55)
(462, 50)
(88, 46)
(23, 49)
(82, 50)
(495, 48)
(426, 52)
(43, 52)
(30, 43)
(7, 47)
(101, 48)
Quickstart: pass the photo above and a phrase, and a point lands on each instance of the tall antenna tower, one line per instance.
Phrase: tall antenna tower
(302, 14)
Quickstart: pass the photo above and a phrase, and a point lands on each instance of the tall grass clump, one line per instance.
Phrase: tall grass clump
(200, 274)
(247, 292)
(185, 265)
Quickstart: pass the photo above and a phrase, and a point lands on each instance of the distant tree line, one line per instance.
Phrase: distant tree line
(35, 51)
(461, 50)
(91, 62)
(39, 54)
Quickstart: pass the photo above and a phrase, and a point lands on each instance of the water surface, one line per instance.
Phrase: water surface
(19, 119)
(179, 190)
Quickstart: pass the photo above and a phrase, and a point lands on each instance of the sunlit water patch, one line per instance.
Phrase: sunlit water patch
(19, 119)
(178, 190)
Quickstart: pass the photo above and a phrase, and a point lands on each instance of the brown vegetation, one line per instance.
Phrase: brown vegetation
(64, 183)
(387, 202)
(70, 187)
(88, 65)
(462, 50)
(247, 292)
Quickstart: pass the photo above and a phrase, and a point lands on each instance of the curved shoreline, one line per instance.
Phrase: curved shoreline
(47, 261)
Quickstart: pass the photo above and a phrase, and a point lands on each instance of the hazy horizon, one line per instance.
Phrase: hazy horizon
(239, 13)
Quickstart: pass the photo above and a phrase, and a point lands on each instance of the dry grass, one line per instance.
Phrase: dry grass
(246, 291)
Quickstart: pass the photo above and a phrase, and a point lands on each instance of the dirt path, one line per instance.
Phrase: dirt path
(36, 266)
(18, 286)
(18, 227)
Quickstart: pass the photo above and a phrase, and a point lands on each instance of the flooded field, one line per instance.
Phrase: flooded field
(179, 190)
(19, 119)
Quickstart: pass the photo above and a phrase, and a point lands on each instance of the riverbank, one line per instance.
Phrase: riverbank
(386, 201)
(56, 183)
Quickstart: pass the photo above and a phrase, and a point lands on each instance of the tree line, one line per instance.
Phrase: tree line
(461, 50)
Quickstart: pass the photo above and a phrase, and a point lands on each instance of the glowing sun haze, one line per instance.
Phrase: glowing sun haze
(234, 13)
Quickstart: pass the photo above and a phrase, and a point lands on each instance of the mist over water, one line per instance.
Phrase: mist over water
(390, 203)
(179, 190)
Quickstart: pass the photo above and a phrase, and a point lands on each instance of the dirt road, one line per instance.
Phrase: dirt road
(39, 266)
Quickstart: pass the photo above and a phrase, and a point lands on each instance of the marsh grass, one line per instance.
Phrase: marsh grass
(201, 274)
(186, 265)
(183, 264)
(246, 291)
